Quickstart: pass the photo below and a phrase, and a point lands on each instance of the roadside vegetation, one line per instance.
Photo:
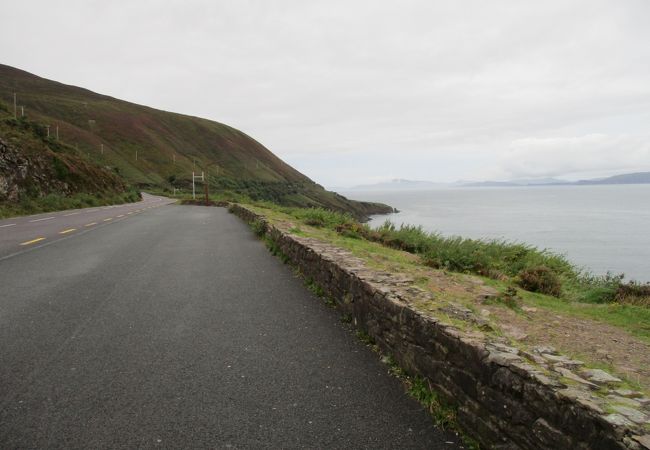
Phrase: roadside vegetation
(508, 292)
(519, 272)
(58, 202)
(520, 264)
(38, 173)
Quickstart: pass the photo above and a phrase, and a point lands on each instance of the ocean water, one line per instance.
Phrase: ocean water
(599, 228)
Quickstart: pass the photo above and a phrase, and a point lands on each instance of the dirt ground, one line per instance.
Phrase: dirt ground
(590, 341)
(587, 340)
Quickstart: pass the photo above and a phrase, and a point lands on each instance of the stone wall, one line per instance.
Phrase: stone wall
(505, 399)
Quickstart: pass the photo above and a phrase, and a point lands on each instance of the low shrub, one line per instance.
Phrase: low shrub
(589, 288)
(633, 293)
(319, 217)
(540, 279)
(258, 227)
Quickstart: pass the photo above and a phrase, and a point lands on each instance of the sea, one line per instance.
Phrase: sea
(600, 228)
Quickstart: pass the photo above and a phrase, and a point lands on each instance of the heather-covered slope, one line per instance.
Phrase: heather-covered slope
(154, 148)
(38, 173)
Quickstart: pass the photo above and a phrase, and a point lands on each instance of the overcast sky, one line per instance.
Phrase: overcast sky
(354, 92)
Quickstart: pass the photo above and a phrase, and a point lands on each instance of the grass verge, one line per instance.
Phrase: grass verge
(58, 202)
(408, 249)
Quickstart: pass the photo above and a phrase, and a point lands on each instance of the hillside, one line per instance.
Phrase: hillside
(39, 174)
(151, 148)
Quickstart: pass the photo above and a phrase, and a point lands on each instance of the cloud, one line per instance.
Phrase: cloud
(430, 89)
(575, 156)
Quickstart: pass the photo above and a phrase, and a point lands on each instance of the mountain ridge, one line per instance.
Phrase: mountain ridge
(626, 178)
(404, 184)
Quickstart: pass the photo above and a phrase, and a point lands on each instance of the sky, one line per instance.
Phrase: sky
(356, 92)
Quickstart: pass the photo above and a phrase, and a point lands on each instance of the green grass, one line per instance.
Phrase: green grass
(492, 258)
(60, 176)
(582, 295)
(444, 415)
(57, 202)
(635, 319)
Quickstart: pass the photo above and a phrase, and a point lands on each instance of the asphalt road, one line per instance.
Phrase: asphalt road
(173, 327)
(21, 233)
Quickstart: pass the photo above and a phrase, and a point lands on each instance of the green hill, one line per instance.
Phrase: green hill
(39, 174)
(151, 148)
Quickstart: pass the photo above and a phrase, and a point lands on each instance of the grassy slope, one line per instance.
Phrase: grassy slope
(233, 159)
(59, 176)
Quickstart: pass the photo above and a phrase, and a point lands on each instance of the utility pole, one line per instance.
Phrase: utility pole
(48, 131)
(57, 132)
(22, 111)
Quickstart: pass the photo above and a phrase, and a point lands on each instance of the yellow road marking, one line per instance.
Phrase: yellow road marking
(69, 230)
(106, 220)
(90, 224)
(33, 241)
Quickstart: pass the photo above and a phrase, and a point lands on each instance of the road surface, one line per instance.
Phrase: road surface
(173, 327)
(21, 233)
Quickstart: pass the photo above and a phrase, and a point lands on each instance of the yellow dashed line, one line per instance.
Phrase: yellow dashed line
(90, 224)
(69, 230)
(33, 241)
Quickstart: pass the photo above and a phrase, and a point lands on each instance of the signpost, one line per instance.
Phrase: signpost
(194, 178)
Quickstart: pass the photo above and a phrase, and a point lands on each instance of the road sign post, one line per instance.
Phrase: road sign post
(200, 178)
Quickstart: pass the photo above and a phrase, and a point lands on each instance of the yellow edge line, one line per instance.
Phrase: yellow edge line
(33, 241)
(69, 230)
(90, 224)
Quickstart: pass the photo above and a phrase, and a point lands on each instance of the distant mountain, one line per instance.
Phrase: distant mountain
(492, 184)
(538, 181)
(521, 182)
(397, 184)
(629, 178)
